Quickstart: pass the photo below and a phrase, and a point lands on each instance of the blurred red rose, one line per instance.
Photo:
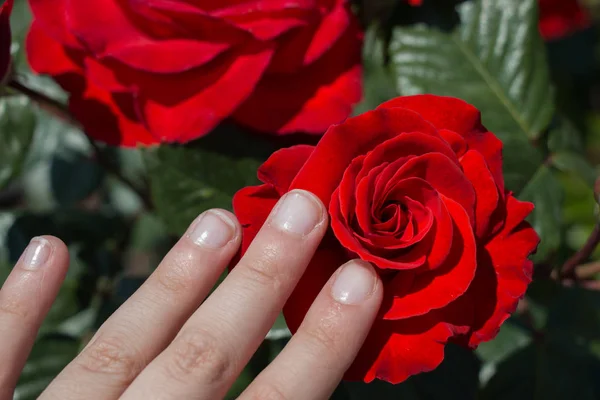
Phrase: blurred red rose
(416, 188)
(141, 72)
(5, 37)
(560, 18)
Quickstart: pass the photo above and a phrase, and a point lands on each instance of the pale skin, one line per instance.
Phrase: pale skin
(171, 341)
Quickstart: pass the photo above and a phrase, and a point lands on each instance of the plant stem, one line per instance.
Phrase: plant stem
(568, 269)
(60, 110)
(51, 105)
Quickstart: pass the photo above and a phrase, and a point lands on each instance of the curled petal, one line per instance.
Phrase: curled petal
(283, 165)
(310, 98)
(435, 289)
(486, 190)
(396, 350)
(503, 275)
(335, 152)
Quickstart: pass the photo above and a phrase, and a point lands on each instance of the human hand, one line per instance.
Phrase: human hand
(165, 342)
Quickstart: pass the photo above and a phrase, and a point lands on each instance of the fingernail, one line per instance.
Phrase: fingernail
(298, 212)
(354, 283)
(37, 253)
(214, 230)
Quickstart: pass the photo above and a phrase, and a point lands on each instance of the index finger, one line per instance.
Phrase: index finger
(215, 344)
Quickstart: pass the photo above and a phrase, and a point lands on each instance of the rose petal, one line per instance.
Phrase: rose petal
(559, 18)
(396, 350)
(436, 289)
(443, 112)
(405, 145)
(503, 276)
(328, 257)
(349, 241)
(443, 175)
(268, 19)
(458, 116)
(283, 165)
(311, 99)
(183, 107)
(252, 205)
(490, 147)
(332, 27)
(335, 152)
(110, 33)
(438, 240)
(418, 209)
(486, 190)
(46, 55)
(109, 117)
(51, 17)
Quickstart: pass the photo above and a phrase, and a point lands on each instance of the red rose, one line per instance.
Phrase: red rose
(5, 37)
(560, 18)
(416, 188)
(153, 71)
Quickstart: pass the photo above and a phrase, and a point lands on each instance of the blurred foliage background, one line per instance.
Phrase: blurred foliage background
(119, 210)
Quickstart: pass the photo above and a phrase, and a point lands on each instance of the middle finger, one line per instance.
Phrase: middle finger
(215, 344)
(143, 326)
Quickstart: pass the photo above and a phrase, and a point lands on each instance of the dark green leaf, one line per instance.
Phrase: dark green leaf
(49, 356)
(187, 180)
(87, 229)
(457, 378)
(74, 176)
(514, 378)
(565, 137)
(17, 125)
(576, 164)
(379, 81)
(495, 60)
(545, 191)
(574, 311)
(510, 338)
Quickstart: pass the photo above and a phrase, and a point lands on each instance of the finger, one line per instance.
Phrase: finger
(219, 339)
(327, 341)
(25, 298)
(144, 325)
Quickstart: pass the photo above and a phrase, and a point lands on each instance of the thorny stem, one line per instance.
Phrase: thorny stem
(60, 110)
(568, 269)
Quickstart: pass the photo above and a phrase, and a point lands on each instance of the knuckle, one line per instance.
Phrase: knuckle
(323, 340)
(265, 269)
(176, 276)
(197, 354)
(14, 307)
(110, 355)
(267, 391)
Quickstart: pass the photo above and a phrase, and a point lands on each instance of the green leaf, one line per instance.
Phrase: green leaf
(546, 192)
(17, 125)
(510, 339)
(494, 60)
(50, 354)
(186, 181)
(74, 176)
(576, 164)
(565, 137)
(574, 311)
(514, 378)
(378, 79)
